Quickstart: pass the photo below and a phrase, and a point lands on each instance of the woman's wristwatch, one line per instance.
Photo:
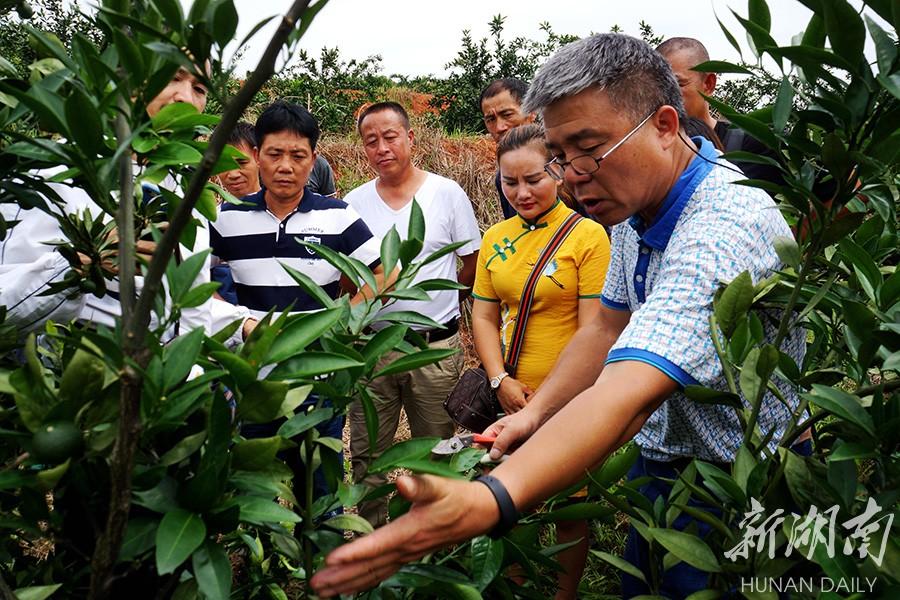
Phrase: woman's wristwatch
(495, 381)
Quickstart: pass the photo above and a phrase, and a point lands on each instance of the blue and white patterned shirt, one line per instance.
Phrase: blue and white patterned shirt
(707, 232)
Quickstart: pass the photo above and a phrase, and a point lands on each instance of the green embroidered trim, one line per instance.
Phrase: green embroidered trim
(508, 245)
(591, 296)
(483, 299)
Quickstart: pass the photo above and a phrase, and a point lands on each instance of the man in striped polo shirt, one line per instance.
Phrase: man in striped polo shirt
(256, 237)
(260, 234)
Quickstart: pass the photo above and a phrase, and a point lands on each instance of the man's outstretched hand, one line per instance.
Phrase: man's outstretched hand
(444, 511)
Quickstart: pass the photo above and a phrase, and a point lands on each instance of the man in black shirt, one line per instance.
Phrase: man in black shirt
(682, 54)
(501, 108)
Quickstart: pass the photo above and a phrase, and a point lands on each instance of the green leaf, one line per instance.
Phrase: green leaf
(429, 467)
(225, 22)
(240, 370)
(180, 533)
(83, 119)
(304, 421)
(616, 466)
(293, 400)
(734, 303)
(487, 559)
(705, 395)
(443, 251)
(349, 522)
(788, 251)
(758, 12)
(212, 569)
(721, 66)
(383, 342)
(260, 511)
(183, 449)
(434, 285)
(620, 563)
(579, 511)
(845, 29)
(885, 47)
(140, 536)
(757, 369)
(783, 104)
(466, 458)
(171, 113)
(310, 364)
(180, 356)
(411, 362)
(255, 454)
(175, 154)
(729, 37)
(409, 250)
(841, 404)
(688, 548)
(36, 592)
(390, 250)
(413, 293)
(408, 317)
(416, 229)
(309, 286)
(414, 449)
(261, 400)
(299, 334)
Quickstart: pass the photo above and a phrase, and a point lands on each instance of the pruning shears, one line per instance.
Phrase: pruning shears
(460, 442)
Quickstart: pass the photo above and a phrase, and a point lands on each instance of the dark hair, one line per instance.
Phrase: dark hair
(677, 44)
(694, 127)
(242, 134)
(516, 88)
(521, 136)
(284, 116)
(380, 107)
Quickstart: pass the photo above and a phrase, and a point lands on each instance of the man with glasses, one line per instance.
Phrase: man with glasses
(613, 113)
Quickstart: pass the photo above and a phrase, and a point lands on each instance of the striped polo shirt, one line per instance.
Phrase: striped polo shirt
(255, 244)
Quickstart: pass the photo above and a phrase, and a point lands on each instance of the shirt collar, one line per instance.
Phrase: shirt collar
(657, 234)
(258, 200)
(545, 218)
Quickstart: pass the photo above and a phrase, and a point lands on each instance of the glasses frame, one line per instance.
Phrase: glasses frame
(550, 167)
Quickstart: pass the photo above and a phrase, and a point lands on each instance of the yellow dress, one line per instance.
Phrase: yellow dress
(509, 250)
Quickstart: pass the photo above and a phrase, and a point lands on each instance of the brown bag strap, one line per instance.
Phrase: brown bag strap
(528, 291)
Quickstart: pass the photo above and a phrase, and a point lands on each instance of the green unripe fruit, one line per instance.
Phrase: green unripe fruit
(53, 443)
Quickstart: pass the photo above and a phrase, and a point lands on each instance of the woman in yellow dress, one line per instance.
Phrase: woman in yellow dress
(567, 295)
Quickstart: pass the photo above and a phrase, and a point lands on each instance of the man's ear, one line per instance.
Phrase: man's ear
(412, 135)
(667, 125)
(709, 83)
(529, 118)
(255, 154)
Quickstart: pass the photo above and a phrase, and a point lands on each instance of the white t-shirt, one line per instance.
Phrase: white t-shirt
(448, 218)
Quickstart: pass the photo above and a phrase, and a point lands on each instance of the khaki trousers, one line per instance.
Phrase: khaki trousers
(421, 394)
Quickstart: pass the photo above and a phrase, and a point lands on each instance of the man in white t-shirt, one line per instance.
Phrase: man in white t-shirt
(383, 203)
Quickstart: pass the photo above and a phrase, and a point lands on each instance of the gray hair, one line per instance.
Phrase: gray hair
(636, 78)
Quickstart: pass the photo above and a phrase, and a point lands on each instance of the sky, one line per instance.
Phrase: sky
(419, 37)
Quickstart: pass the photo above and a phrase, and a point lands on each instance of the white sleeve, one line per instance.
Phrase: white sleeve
(21, 287)
(465, 226)
(27, 266)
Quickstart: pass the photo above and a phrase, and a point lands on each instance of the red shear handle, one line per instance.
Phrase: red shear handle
(487, 440)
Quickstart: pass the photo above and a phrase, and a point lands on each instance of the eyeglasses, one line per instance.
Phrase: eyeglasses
(586, 164)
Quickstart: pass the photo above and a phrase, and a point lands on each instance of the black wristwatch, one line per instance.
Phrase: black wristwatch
(509, 514)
